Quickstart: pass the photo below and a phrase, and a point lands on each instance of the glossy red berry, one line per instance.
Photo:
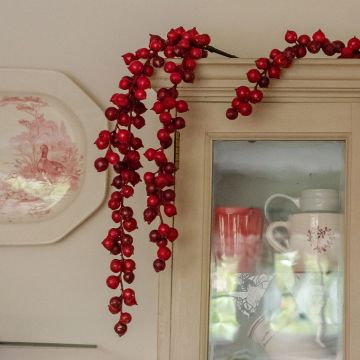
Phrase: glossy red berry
(163, 229)
(319, 36)
(130, 225)
(125, 318)
(113, 281)
(290, 36)
(304, 39)
(231, 114)
(262, 63)
(129, 277)
(123, 136)
(136, 67)
(170, 210)
(159, 265)
(255, 96)
(243, 92)
(245, 109)
(175, 78)
(116, 265)
(253, 75)
(182, 106)
(142, 53)
(101, 164)
(164, 253)
(111, 113)
(128, 58)
(172, 234)
(274, 71)
(125, 83)
(120, 328)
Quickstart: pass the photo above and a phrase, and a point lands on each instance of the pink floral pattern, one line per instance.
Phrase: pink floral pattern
(45, 165)
(320, 238)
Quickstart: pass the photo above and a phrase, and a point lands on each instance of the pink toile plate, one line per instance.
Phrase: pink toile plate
(48, 126)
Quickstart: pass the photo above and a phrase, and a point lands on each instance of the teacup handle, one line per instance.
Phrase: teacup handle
(271, 238)
(294, 200)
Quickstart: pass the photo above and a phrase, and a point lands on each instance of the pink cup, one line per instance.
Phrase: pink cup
(238, 236)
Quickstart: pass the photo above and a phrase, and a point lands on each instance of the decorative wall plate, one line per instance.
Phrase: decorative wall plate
(48, 125)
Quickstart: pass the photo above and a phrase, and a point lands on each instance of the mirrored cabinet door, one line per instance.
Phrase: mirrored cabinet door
(277, 265)
(267, 263)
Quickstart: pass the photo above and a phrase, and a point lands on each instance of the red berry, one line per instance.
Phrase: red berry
(125, 83)
(125, 318)
(319, 36)
(127, 250)
(182, 106)
(140, 94)
(116, 265)
(136, 143)
(127, 191)
(127, 213)
(111, 113)
(142, 53)
(153, 201)
(304, 39)
(112, 157)
(163, 135)
(130, 225)
(105, 135)
(143, 82)
(172, 234)
(264, 81)
(163, 229)
(170, 210)
(274, 72)
(313, 47)
(169, 102)
(159, 265)
(262, 63)
(300, 51)
(113, 281)
(123, 136)
(202, 40)
(113, 204)
(128, 58)
(160, 157)
(108, 243)
(120, 100)
(164, 253)
(101, 144)
(136, 67)
(116, 216)
(124, 119)
(115, 301)
(255, 96)
(129, 265)
(161, 181)
(149, 177)
(150, 154)
(120, 328)
(189, 64)
(347, 52)
(154, 236)
(101, 164)
(179, 123)
(253, 75)
(175, 78)
(129, 277)
(245, 109)
(290, 36)
(170, 66)
(168, 195)
(158, 107)
(274, 53)
(243, 92)
(148, 70)
(231, 114)
(149, 214)
(188, 76)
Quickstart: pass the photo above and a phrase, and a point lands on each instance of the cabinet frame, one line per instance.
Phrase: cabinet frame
(328, 94)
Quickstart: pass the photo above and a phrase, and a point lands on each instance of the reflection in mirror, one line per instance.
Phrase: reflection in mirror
(276, 285)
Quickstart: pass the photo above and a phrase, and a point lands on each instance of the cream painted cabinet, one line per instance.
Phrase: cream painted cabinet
(267, 265)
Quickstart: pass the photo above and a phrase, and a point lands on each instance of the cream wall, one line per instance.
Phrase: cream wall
(57, 292)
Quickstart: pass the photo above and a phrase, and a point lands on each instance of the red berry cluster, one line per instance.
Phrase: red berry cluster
(122, 153)
(271, 67)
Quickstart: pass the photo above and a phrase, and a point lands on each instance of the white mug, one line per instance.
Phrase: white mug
(312, 236)
(314, 200)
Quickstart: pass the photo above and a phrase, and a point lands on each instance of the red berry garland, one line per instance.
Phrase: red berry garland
(271, 68)
(122, 145)
(122, 153)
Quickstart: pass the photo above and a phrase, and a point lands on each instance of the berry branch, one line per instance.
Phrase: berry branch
(122, 154)
(271, 67)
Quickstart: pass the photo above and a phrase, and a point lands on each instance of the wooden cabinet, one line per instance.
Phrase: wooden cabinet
(223, 301)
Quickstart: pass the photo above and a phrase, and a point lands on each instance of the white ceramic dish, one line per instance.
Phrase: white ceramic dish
(48, 184)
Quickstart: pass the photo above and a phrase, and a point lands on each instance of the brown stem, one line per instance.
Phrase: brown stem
(220, 52)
